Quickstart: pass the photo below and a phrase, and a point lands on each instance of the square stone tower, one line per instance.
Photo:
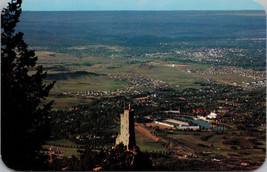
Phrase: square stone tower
(127, 135)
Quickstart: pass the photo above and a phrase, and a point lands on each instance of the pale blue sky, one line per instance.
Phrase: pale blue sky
(69, 5)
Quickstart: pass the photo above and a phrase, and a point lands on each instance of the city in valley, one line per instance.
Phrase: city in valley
(176, 90)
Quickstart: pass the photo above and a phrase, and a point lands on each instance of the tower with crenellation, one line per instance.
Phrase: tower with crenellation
(127, 135)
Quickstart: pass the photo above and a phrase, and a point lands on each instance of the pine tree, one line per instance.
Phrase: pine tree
(24, 115)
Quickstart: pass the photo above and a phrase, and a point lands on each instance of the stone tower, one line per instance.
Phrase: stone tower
(127, 135)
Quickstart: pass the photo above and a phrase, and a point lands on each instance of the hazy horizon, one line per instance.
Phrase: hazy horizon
(136, 10)
(100, 5)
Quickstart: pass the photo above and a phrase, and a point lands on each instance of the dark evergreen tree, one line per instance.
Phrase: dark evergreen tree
(24, 113)
(120, 159)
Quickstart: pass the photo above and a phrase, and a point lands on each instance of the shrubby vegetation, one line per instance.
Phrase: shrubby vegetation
(114, 159)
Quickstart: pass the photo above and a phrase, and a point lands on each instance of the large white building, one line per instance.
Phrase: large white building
(212, 115)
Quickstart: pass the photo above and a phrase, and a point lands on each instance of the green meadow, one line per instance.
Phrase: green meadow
(147, 144)
(74, 74)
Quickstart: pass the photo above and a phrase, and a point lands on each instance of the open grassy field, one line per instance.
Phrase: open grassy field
(228, 144)
(147, 144)
(58, 63)
(68, 152)
(66, 103)
(62, 142)
(85, 83)
(66, 146)
(74, 73)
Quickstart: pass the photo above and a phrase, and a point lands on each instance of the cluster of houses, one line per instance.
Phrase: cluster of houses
(99, 93)
(156, 54)
(136, 80)
(257, 75)
(256, 84)
(211, 54)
